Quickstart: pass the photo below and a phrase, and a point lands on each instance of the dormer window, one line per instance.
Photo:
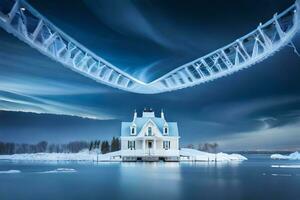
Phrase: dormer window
(149, 133)
(166, 131)
(133, 130)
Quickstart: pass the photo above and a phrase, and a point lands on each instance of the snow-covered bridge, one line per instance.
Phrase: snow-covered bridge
(27, 24)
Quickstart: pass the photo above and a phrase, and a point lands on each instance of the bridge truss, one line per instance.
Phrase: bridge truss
(23, 21)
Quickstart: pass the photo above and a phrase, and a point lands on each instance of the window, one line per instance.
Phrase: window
(166, 145)
(166, 131)
(149, 131)
(133, 130)
(131, 145)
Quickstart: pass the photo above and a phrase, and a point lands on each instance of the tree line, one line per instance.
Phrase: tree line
(105, 146)
(7, 148)
(207, 147)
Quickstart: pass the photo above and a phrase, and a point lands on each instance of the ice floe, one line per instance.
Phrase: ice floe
(59, 170)
(281, 174)
(292, 156)
(285, 166)
(195, 155)
(10, 171)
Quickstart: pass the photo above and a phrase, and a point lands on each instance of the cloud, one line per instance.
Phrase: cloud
(126, 18)
(256, 109)
(268, 123)
(30, 82)
(25, 103)
(44, 86)
(283, 137)
(237, 110)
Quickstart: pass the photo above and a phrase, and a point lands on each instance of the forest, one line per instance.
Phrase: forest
(105, 146)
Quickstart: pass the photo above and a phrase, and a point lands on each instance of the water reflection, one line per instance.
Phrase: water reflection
(252, 179)
(213, 164)
(151, 180)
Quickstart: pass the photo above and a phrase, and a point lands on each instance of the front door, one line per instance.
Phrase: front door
(149, 144)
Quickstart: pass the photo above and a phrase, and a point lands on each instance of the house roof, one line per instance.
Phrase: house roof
(140, 122)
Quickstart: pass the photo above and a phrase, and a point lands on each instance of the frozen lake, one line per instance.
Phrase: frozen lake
(252, 179)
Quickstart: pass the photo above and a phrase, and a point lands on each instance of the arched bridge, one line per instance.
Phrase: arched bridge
(27, 24)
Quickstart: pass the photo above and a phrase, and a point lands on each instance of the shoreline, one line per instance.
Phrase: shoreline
(186, 155)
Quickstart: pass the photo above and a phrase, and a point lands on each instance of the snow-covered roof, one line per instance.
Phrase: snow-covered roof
(140, 122)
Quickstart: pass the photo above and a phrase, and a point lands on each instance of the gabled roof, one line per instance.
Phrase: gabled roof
(146, 125)
(140, 122)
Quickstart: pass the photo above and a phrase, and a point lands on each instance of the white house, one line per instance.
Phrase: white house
(149, 138)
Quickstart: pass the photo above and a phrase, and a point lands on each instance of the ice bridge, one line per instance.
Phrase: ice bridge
(23, 21)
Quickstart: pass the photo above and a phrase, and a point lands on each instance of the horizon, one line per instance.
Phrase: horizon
(91, 138)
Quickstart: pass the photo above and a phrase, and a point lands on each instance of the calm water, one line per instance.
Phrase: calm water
(252, 179)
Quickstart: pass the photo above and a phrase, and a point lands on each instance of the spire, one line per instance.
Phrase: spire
(162, 115)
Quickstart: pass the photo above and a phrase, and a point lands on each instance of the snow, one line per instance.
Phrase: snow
(292, 156)
(59, 170)
(10, 171)
(185, 155)
(81, 156)
(286, 166)
(49, 156)
(195, 155)
(281, 174)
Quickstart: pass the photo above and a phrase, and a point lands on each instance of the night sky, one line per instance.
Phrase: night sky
(256, 108)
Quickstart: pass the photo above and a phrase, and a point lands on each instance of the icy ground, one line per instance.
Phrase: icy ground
(195, 155)
(185, 155)
(292, 156)
(84, 155)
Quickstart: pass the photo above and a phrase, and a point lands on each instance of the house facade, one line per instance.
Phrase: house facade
(149, 138)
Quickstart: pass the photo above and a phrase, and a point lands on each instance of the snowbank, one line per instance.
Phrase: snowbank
(185, 155)
(81, 156)
(195, 155)
(292, 156)
(48, 156)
